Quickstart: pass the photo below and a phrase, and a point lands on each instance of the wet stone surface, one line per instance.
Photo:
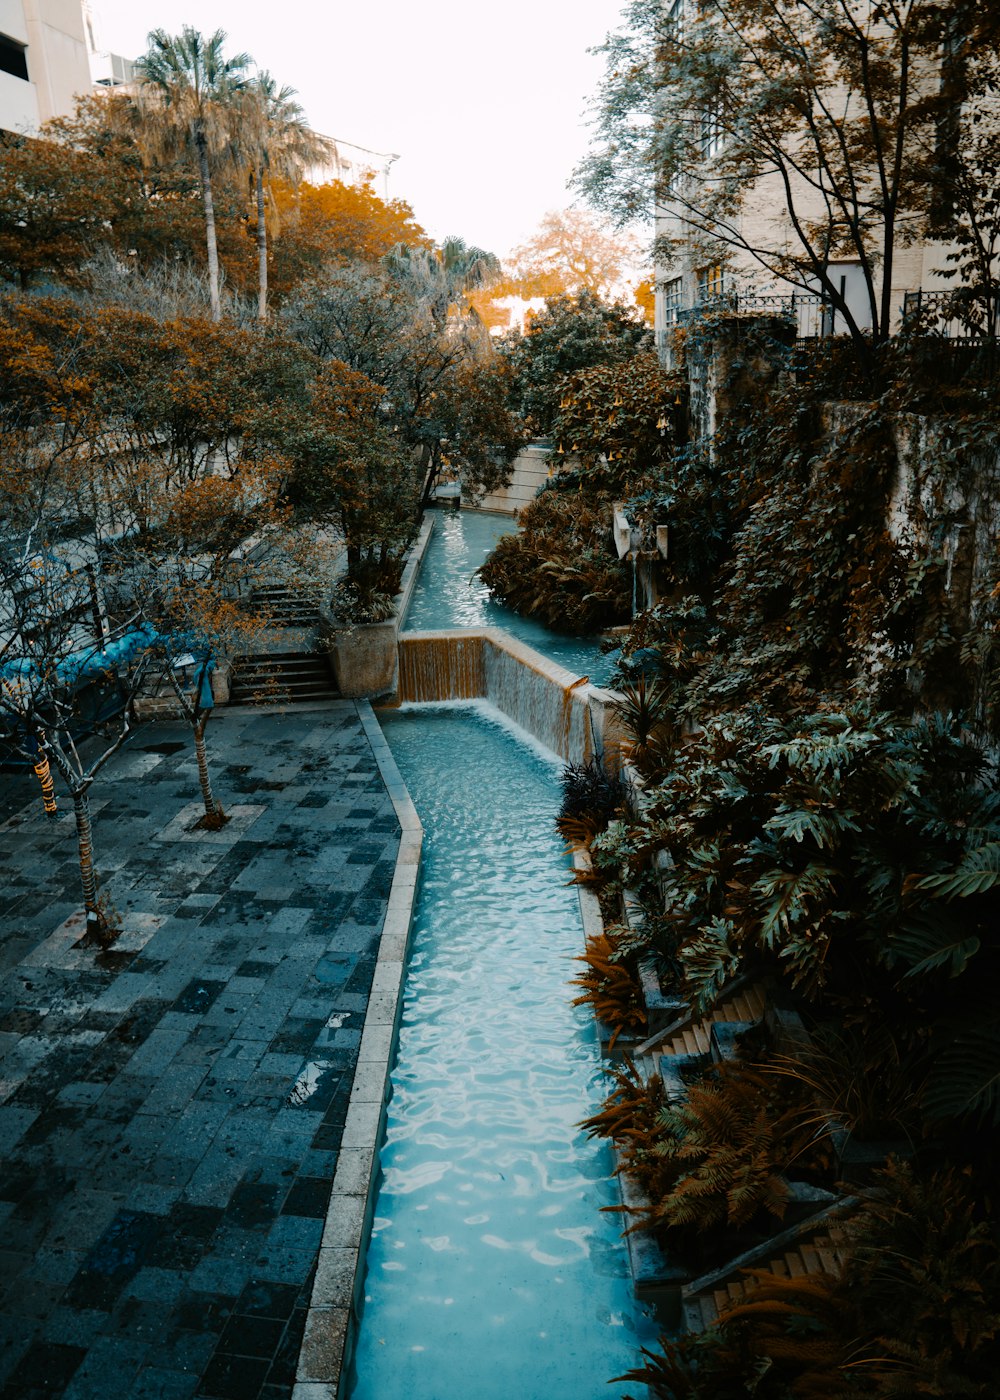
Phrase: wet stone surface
(171, 1108)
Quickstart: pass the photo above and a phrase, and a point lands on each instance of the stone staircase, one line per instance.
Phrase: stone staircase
(814, 1246)
(744, 1006)
(280, 678)
(285, 606)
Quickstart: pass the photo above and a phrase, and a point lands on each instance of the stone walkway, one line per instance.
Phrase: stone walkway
(171, 1110)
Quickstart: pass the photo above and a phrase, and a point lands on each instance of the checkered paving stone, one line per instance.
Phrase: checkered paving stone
(171, 1108)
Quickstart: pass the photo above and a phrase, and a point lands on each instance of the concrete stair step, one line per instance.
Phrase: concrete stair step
(746, 1005)
(281, 676)
(822, 1252)
(285, 606)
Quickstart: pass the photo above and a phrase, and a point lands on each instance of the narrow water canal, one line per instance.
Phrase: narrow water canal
(492, 1272)
(449, 595)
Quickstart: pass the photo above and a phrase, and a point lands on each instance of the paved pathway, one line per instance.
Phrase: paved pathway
(171, 1111)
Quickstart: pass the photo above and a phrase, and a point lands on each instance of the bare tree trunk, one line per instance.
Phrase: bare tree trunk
(210, 239)
(88, 876)
(261, 250)
(214, 815)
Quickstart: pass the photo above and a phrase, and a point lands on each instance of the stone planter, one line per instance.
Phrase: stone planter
(365, 660)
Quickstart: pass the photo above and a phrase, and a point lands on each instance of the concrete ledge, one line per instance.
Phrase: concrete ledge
(411, 571)
(338, 1288)
(562, 710)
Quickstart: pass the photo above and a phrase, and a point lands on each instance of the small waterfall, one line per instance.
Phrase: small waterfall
(556, 707)
(441, 666)
(542, 697)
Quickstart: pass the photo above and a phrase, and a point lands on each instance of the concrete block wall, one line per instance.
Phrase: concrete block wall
(531, 470)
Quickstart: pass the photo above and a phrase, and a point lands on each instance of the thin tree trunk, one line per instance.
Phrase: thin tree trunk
(210, 239)
(261, 250)
(214, 813)
(84, 836)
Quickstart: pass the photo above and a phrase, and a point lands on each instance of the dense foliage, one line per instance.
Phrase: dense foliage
(560, 566)
(574, 332)
(819, 816)
(911, 1312)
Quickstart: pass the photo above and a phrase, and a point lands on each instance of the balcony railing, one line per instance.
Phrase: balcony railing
(954, 315)
(807, 311)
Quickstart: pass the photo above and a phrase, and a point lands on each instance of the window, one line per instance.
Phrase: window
(675, 22)
(672, 294)
(710, 135)
(711, 282)
(13, 58)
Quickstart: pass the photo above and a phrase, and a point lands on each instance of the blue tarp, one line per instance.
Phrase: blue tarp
(92, 664)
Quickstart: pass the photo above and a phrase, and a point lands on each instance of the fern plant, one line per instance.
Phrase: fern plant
(731, 1142)
(611, 985)
(925, 1260)
(630, 1118)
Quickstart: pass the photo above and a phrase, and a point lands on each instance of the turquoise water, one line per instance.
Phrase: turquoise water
(447, 594)
(492, 1273)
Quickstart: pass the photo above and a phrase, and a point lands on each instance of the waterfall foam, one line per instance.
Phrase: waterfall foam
(567, 714)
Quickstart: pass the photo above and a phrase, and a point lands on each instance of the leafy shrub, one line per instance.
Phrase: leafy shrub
(560, 567)
(914, 1311)
(644, 711)
(592, 796)
(574, 332)
(354, 603)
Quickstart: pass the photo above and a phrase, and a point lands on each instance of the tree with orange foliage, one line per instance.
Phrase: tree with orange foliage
(49, 216)
(335, 224)
(571, 250)
(88, 182)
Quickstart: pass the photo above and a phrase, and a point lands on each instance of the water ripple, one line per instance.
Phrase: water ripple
(489, 1189)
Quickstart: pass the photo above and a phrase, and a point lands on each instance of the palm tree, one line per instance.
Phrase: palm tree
(187, 95)
(443, 276)
(278, 144)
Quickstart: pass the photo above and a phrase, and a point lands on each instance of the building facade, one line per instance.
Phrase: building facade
(43, 61)
(748, 265)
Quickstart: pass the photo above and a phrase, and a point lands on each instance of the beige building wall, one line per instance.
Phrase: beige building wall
(18, 99)
(54, 37)
(531, 470)
(764, 223)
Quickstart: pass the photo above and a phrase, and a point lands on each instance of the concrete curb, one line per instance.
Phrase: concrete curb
(334, 1308)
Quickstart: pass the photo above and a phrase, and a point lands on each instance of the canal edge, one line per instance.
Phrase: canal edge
(334, 1307)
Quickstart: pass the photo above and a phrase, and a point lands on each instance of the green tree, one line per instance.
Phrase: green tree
(187, 97)
(788, 137)
(573, 333)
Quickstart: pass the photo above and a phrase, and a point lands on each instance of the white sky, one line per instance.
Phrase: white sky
(485, 104)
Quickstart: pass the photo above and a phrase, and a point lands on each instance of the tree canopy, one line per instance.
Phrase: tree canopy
(792, 136)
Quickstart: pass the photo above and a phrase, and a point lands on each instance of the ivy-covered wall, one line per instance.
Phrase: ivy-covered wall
(889, 494)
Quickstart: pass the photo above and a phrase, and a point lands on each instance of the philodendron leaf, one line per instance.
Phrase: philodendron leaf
(965, 1080)
(978, 872)
(926, 943)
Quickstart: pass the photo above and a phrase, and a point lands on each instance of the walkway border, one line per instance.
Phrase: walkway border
(334, 1309)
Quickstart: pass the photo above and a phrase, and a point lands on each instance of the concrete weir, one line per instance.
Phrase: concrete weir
(564, 712)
